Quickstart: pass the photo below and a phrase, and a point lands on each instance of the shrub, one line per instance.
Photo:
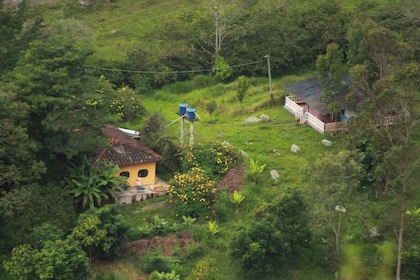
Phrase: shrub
(101, 232)
(192, 193)
(179, 87)
(58, 260)
(203, 81)
(109, 275)
(46, 232)
(213, 157)
(223, 206)
(154, 261)
(280, 236)
(164, 276)
(204, 270)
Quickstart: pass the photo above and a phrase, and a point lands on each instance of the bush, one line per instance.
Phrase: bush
(214, 91)
(179, 87)
(127, 104)
(154, 261)
(224, 207)
(213, 157)
(105, 276)
(203, 81)
(204, 270)
(102, 232)
(46, 232)
(192, 193)
(281, 236)
(164, 276)
(56, 260)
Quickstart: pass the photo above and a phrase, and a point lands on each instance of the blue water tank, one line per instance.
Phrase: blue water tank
(191, 114)
(182, 109)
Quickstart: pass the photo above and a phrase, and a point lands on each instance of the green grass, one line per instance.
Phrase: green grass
(256, 139)
(132, 19)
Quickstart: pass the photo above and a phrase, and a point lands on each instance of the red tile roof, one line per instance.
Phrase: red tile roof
(126, 150)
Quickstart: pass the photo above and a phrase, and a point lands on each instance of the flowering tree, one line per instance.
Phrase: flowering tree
(127, 104)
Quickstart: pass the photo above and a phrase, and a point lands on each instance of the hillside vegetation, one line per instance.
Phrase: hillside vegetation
(345, 211)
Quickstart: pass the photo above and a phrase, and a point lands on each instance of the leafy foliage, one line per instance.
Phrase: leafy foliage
(18, 164)
(44, 233)
(332, 76)
(222, 69)
(164, 275)
(255, 170)
(279, 237)
(242, 87)
(101, 232)
(237, 198)
(213, 157)
(155, 136)
(28, 207)
(192, 193)
(68, 106)
(154, 261)
(58, 259)
(93, 181)
(19, 26)
(127, 104)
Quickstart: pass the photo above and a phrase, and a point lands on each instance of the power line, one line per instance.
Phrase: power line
(172, 72)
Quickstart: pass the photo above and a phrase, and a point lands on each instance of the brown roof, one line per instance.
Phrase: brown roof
(126, 150)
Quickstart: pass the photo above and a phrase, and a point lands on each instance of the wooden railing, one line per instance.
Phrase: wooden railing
(293, 107)
(336, 126)
(316, 123)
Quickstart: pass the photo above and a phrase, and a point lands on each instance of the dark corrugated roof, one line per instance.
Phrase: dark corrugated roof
(126, 150)
(308, 91)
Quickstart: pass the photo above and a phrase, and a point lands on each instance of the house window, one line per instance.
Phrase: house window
(143, 173)
(125, 174)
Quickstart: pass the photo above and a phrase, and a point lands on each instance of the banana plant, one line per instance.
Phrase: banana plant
(188, 221)
(93, 181)
(237, 199)
(255, 169)
(213, 227)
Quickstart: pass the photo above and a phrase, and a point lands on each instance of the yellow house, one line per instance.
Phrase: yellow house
(136, 161)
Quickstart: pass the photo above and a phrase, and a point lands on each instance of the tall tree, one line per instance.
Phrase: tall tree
(399, 134)
(18, 165)
(18, 27)
(332, 181)
(332, 74)
(358, 42)
(229, 21)
(68, 106)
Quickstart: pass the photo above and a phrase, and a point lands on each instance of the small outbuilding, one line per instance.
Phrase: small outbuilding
(303, 100)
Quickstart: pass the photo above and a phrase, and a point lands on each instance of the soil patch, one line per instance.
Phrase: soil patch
(233, 180)
(165, 244)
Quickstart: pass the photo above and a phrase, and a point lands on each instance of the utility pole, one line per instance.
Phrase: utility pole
(181, 138)
(269, 77)
(192, 133)
(183, 113)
